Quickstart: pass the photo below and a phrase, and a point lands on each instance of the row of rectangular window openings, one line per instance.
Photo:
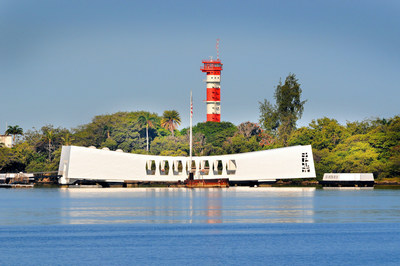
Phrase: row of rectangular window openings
(215, 77)
(232, 172)
(202, 172)
(229, 166)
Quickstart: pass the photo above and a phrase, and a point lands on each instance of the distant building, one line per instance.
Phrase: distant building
(6, 140)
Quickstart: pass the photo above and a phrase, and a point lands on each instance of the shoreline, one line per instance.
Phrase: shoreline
(384, 183)
(378, 185)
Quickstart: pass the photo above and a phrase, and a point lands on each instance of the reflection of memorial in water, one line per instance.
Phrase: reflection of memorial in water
(181, 205)
(214, 206)
(122, 205)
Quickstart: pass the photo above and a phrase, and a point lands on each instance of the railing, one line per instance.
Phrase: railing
(206, 67)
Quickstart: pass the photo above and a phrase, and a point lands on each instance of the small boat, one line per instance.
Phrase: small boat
(206, 183)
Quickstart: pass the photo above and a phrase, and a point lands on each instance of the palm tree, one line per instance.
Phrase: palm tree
(14, 130)
(171, 120)
(149, 121)
(49, 136)
(106, 130)
(67, 139)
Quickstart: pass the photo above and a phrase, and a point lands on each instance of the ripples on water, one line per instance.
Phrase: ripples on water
(292, 226)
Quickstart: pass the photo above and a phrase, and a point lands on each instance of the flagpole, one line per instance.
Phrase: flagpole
(191, 125)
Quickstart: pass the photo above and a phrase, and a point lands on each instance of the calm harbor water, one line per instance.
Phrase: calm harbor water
(255, 226)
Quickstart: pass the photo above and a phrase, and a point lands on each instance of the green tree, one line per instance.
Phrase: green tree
(14, 131)
(239, 144)
(281, 118)
(170, 120)
(67, 139)
(171, 146)
(327, 133)
(6, 158)
(394, 161)
(249, 129)
(96, 132)
(107, 130)
(49, 136)
(215, 133)
(148, 121)
(110, 143)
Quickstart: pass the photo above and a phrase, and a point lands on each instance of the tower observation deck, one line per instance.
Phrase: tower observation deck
(213, 69)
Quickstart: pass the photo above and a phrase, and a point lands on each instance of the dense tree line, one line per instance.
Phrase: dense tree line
(368, 146)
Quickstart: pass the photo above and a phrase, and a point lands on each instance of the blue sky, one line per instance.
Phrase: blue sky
(63, 62)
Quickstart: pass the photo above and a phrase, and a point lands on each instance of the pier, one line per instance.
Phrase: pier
(28, 180)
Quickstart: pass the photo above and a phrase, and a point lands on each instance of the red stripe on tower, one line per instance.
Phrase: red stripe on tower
(213, 69)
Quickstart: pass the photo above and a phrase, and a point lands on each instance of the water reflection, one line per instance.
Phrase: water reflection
(181, 205)
(214, 206)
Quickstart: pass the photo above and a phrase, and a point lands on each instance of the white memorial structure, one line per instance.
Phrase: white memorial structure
(103, 165)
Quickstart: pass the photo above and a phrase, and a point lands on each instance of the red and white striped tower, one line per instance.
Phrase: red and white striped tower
(213, 69)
